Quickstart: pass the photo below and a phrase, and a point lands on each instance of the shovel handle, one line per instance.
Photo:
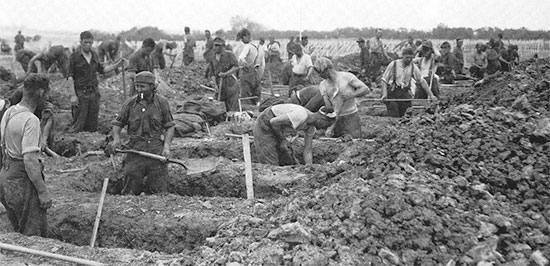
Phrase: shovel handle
(220, 89)
(153, 156)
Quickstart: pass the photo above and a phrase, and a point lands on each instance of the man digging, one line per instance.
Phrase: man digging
(150, 129)
(269, 139)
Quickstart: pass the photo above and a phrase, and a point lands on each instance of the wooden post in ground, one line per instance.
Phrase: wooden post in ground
(269, 78)
(248, 167)
(100, 206)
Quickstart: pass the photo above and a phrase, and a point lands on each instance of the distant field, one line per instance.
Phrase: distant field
(320, 47)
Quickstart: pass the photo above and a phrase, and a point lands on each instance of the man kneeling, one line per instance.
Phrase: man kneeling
(269, 139)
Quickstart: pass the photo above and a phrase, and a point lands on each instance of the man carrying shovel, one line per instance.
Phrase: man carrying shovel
(220, 70)
(150, 129)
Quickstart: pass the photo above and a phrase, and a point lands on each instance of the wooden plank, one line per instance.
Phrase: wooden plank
(99, 210)
(49, 255)
(248, 167)
(397, 100)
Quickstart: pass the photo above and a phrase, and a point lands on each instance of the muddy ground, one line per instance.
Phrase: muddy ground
(463, 184)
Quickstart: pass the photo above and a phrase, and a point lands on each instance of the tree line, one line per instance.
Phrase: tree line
(440, 32)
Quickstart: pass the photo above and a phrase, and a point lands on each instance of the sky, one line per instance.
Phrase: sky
(171, 16)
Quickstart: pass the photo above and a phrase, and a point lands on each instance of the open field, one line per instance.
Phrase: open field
(321, 47)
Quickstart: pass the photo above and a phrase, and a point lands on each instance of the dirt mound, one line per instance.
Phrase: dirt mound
(350, 62)
(529, 80)
(433, 190)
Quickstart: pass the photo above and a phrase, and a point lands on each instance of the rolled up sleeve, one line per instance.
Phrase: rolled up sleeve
(31, 136)
(122, 118)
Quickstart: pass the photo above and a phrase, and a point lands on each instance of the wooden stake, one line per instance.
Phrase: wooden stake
(269, 78)
(123, 77)
(49, 255)
(100, 206)
(208, 88)
(220, 89)
(248, 167)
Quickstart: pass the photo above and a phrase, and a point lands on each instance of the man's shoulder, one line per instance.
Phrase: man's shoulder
(347, 75)
(135, 55)
(163, 102)
(227, 53)
(130, 101)
(26, 114)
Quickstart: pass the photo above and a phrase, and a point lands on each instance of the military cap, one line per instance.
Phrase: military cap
(145, 77)
(218, 40)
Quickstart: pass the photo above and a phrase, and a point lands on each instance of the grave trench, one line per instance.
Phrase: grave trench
(128, 226)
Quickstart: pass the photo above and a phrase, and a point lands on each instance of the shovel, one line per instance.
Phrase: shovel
(153, 156)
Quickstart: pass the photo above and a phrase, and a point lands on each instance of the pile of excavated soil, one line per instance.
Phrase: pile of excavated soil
(528, 80)
(464, 186)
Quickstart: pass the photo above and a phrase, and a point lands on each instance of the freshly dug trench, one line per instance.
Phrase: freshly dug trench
(69, 145)
(166, 223)
(231, 148)
(225, 179)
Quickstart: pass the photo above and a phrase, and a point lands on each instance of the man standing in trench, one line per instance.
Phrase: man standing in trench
(222, 66)
(150, 128)
(398, 76)
(188, 48)
(249, 64)
(339, 90)
(378, 55)
(23, 191)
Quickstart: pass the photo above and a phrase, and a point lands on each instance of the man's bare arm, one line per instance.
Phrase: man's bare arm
(32, 61)
(168, 135)
(34, 171)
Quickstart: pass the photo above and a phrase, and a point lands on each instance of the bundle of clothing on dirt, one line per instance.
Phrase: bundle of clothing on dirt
(194, 116)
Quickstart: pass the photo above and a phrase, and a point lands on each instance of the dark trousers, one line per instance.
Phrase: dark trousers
(376, 63)
(143, 174)
(159, 60)
(420, 93)
(348, 125)
(87, 113)
(398, 109)
(229, 93)
(477, 72)
(295, 81)
(286, 74)
(20, 198)
(250, 85)
(267, 144)
(188, 57)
